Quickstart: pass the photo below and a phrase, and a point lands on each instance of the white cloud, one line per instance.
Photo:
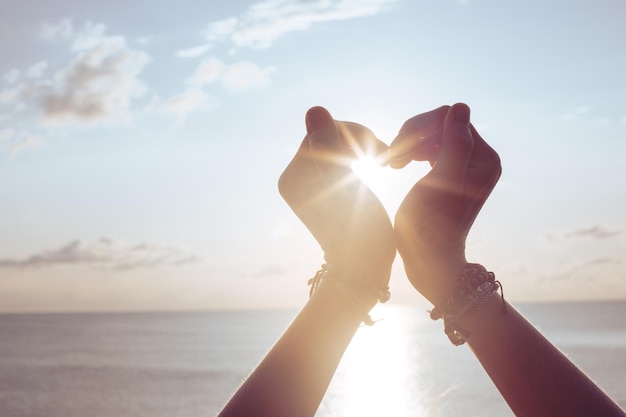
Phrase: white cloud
(182, 105)
(576, 113)
(219, 31)
(595, 232)
(104, 253)
(13, 142)
(266, 21)
(12, 76)
(61, 30)
(23, 142)
(193, 52)
(239, 76)
(209, 71)
(92, 35)
(6, 134)
(98, 86)
(36, 70)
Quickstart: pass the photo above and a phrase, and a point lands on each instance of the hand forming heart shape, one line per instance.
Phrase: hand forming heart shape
(432, 222)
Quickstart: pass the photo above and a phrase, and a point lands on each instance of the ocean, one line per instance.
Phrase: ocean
(188, 364)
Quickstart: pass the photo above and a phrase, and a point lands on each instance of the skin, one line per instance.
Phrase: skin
(357, 237)
(359, 244)
(431, 227)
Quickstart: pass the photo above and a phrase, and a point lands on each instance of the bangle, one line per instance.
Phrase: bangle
(358, 295)
(474, 289)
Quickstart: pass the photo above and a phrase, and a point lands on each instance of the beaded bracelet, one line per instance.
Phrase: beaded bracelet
(474, 289)
(354, 293)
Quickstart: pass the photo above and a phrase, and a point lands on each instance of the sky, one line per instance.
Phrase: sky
(141, 143)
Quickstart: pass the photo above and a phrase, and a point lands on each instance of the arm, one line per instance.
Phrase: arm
(532, 375)
(431, 228)
(357, 237)
(293, 377)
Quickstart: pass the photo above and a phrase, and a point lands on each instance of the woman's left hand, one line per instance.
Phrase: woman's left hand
(341, 212)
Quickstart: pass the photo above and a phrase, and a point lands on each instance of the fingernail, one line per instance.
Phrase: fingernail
(461, 113)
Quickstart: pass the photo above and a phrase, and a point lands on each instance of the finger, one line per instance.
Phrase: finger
(456, 150)
(482, 176)
(418, 139)
(360, 142)
(316, 167)
(485, 166)
(326, 145)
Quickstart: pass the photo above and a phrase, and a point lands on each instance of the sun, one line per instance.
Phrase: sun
(369, 169)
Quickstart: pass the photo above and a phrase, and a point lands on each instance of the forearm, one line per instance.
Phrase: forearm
(293, 377)
(533, 376)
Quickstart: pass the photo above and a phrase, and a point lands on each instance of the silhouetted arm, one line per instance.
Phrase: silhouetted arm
(357, 238)
(532, 375)
(293, 377)
(431, 226)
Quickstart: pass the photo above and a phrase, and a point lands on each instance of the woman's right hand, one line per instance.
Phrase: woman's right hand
(435, 217)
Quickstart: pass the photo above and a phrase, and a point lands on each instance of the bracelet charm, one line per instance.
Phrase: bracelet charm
(474, 289)
(357, 295)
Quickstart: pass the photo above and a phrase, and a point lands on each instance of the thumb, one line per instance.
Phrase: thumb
(321, 129)
(325, 143)
(456, 149)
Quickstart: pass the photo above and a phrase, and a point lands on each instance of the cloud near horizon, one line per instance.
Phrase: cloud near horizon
(595, 232)
(104, 253)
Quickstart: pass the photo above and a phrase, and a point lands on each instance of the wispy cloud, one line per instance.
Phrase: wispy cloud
(97, 86)
(36, 70)
(239, 76)
(182, 105)
(271, 271)
(586, 113)
(603, 261)
(104, 253)
(587, 270)
(595, 232)
(13, 142)
(266, 21)
(576, 113)
(193, 52)
(63, 29)
(236, 77)
(12, 76)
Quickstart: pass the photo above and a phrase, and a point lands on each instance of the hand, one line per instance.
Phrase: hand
(341, 212)
(435, 217)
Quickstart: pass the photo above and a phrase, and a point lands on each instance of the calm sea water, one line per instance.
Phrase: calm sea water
(188, 364)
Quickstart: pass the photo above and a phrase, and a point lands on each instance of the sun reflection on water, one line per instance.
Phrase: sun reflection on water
(377, 375)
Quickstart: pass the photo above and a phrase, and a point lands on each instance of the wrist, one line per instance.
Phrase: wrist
(435, 279)
(474, 290)
(357, 296)
(445, 278)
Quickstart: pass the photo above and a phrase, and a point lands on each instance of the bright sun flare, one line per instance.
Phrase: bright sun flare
(368, 170)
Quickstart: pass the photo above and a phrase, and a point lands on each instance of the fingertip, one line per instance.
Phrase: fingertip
(318, 118)
(460, 113)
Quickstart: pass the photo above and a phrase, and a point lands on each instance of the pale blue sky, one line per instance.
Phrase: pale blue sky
(140, 145)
